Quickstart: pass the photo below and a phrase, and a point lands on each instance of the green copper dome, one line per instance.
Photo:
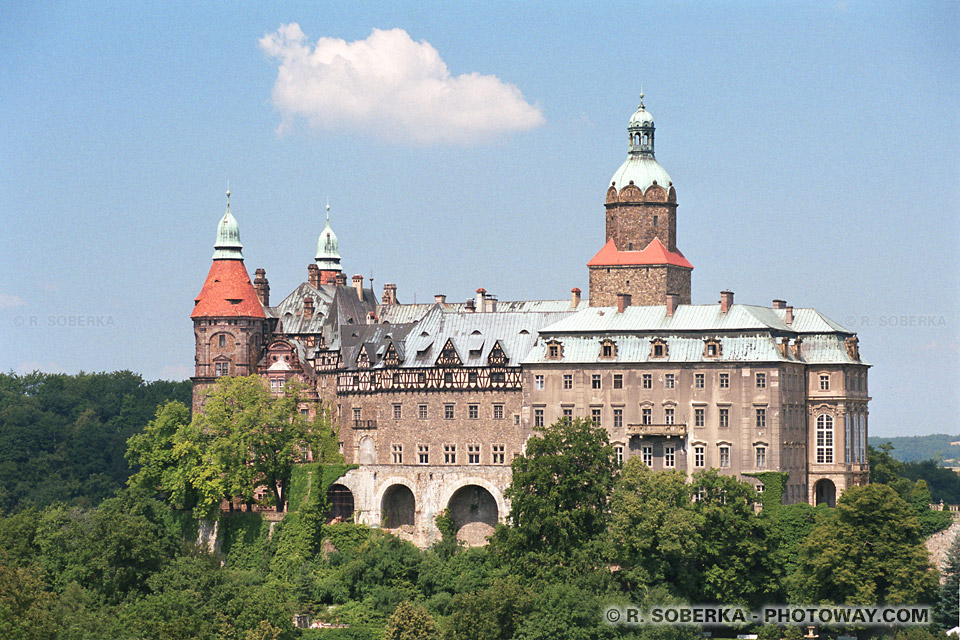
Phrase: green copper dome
(641, 167)
(228, 245)
(328, 249)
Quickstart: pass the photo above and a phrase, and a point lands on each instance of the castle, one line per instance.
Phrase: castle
(433, 401)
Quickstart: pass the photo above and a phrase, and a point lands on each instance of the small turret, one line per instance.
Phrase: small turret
(328, 253)
(228, 245)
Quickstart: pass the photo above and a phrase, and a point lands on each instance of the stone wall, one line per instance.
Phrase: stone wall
(632, 224)
(648, 285)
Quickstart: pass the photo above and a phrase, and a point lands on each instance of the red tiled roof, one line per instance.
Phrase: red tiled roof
(654, 254)
(227, 292)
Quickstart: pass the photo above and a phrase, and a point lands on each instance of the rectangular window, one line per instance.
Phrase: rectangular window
(669, 381)
(824, 382)
(472, 377)
(724, 417)
(448, 412)
(422, 411)
(473, 411)
(669, 457)
(473, 454)
(449, 454)
(724, 456)
(618, 381)
(538, 417)
(698, 456)
(617, 418)
(567, 381)
(698, 380)
(568, 413)
(724, 380)
(222, 369)
(498, 453)
(273, 384)
(647, 381)
(761, 418)
(595, 415)
(668, 415)
(618, 450)
(761, 381)
(647, 452)
(498, 412)
(397, 451)
(698, 417)
(223, 340)
(423, 453)
(761, 457)
(356, 414)
(647, 415)
(397, 411)
(595, 381)
(538, 382)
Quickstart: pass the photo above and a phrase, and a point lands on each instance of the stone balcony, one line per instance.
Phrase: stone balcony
(364, 424)
(660, 430)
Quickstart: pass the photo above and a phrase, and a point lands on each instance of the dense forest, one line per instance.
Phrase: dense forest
(918, 448)
(583, 534)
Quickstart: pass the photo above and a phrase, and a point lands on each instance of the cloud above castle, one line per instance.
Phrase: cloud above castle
(391, 87)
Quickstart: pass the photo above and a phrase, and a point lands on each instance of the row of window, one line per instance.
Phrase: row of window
(449, 412)
(498, 453)
(646, 381)
(646, 416)
(699, 456)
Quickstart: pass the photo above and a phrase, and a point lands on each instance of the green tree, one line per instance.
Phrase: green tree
(24, 603)
(946, 613)
(491, 614)
(871, 552)
(559, 491)
(410, 622)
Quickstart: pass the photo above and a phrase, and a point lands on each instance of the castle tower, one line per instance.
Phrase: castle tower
(228, 317)
(328, 254)
(640, 256)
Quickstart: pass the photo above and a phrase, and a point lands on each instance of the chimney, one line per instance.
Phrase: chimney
(726, 301)
(779, 304)
(313, 275)
(481, 300)
(371, 318)
(262, 287)
(672, 301)
(795, 347)
(575, 297)
(308, 307)
(340, 279)
(440, 298)
(390, 293)
(789, 318)
(491, 304)
(623, 301)
(470, 308)
(358, 285)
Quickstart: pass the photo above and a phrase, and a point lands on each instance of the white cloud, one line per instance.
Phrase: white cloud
(8, 301)
(391, 87)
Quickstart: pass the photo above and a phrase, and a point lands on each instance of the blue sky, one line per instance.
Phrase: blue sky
(814, 147)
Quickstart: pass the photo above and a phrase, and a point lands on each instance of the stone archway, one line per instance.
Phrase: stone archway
(475, 514)
(340, 499)
(825, 492)
(398, 507)
(368, 451)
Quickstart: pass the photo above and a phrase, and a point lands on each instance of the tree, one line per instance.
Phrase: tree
(559, 491)
(24, 602)
(871, 552)
(491, 614)
(946, 613)
(410, 622)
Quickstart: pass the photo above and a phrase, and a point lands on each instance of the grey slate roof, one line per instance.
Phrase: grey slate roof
(402, 313)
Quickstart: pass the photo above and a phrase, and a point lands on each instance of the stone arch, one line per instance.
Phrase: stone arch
(366, 451)
(474, 512)
(612, 194)
(480, 482)
(825, 492)
(341, 502)
(398, 507)
(631, 193)
(655, 193)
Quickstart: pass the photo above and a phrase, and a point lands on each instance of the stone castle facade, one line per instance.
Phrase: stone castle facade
(433, 401)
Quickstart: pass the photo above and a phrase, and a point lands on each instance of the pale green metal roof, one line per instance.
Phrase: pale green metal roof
(328, 248)
(228, 245)
(643, 171)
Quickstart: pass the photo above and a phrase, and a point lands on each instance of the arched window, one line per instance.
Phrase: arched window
(824, 439)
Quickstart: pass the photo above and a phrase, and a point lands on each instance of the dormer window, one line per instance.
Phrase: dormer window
(554, 350)
(658, 348)
(712, 349)
(608, 349)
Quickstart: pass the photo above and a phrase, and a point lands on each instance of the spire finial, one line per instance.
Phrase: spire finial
(328, 208)
(641, 97)
(228, 195)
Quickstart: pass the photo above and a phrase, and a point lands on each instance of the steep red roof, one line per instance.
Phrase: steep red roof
(227, 292)
(654, 254)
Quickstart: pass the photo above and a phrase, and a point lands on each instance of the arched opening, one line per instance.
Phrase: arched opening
(825, 492)
(474, 512)
(398, 507)
(368, 452)
(340, 500)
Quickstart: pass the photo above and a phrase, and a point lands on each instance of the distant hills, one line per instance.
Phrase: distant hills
(938, 446)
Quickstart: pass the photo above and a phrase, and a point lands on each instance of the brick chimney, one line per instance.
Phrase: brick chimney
(575, 297)
(358, 285)
(313, 275)
(262, 287)
(471, 307)
(491, 302)
(726, 301)
(779, 304)
(390, 293)
(481, 300)
(440, 298)
(672, 301)
(789, 318)
(623, 301)
(340, 279)
(308, 307)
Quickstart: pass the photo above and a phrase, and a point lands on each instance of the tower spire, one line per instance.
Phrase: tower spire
(228, 245)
